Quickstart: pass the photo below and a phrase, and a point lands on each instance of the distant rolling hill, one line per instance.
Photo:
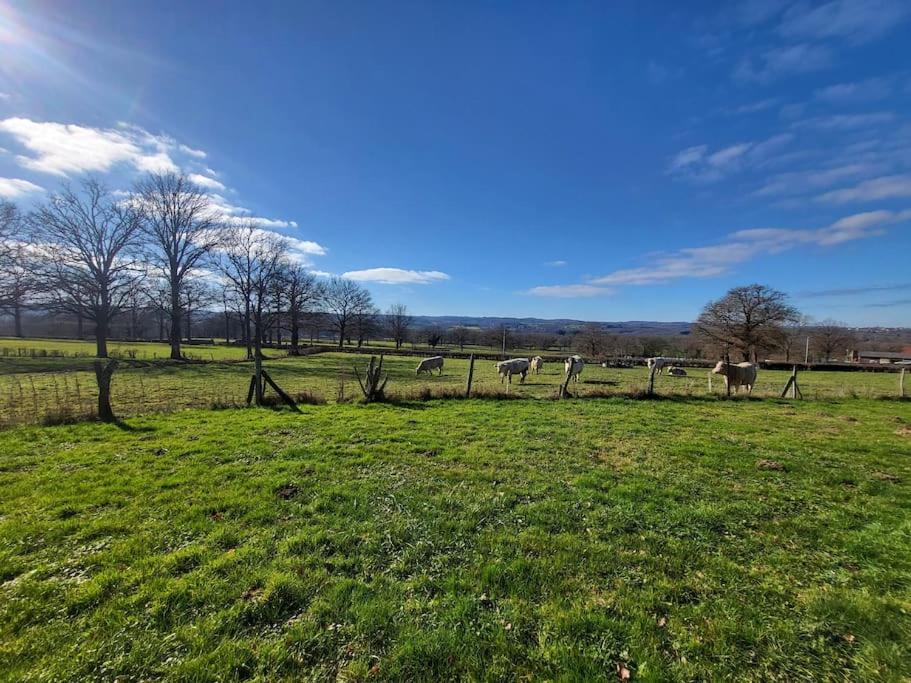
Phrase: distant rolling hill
(633, 327)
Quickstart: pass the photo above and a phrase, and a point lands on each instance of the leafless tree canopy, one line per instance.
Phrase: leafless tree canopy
(399, 323)
(747, 319)
(831, 339)
(591, 341)
(345, 300)
(251, 259)
(86, 244)
(180, 224)
(304, 294)
(18, 282)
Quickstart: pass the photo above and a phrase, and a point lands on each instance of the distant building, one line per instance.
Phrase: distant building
(881, 357)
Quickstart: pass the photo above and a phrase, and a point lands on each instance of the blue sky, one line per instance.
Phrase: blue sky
(607, 161)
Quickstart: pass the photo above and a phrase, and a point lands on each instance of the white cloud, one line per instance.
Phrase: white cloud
(232, 214)
(62, 149)
(799, 182)
(206, 182)
(752, 107)
(783, 61)
(5, 96)
(745, 245)
(885, 187)
(698, 164)
(189, 151)
(854, 20)
(556, 264)
(396, 276)
(569, 291)
(846, 121)
(860, 91)
(11, 188)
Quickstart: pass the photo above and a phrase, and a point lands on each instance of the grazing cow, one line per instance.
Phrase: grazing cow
(676, 372)
(537, 365)
(572, 366)
(739, 375)
(429, 365)
(515, 366)
(658, 362)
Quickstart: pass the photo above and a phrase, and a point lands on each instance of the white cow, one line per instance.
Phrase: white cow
(515, 366)
(572, 366)
(537, 365)
(429, 365)
(739, 375)
(658, 362)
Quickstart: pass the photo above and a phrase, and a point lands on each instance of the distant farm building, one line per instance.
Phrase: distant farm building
(881, 357)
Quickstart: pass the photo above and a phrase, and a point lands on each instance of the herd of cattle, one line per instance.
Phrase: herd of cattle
(735, 375)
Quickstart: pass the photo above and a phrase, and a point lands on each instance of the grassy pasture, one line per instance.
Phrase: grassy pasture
(33, 388)
(499, 541)
(72, 349)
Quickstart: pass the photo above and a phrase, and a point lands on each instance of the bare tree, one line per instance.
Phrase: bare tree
(829, 337)
(462, 335)
(591, 341)
(195, 295)
(433, 336)
(749, 319)
(345, 299)
(18, 283)
(251, 260)
(366, 323)
(180, 223)
(304, 293)
(399, 323)
(87, 243)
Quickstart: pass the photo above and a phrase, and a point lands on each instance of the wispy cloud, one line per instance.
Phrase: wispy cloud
(858, 91)
(569, 291)
(891, 304)
(852, 291)
(556, 264)
(12, 188)
(745, 245)
(206, 182)
(396, 276)
(699, 164)
(885, 187)
(777, 62)
(838, 122)
(813, 180)
(232, 214)
(752, 107)
(856, 21)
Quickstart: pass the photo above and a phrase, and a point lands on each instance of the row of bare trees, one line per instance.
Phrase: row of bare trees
(94, 254)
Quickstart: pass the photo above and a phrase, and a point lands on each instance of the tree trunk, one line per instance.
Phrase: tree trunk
(295, 335)
(103, 373)
(80, 330)
(189, 336)
(258, 356)
(101, 338)
(175, 318)
(341, 335)
(227, 327)
(17, 318)
(247, 340)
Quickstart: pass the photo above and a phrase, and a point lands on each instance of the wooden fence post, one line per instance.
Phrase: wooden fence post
(901, 384)
(792, 385)
(727, 367)
(651, 379)
(470, 376)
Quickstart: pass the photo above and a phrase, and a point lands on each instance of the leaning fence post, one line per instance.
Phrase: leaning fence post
(651, 379)
(470, 376)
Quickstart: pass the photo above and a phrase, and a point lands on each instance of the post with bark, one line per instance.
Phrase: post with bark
(104, 370)
(727, 369)
(374, 383)
(564, 388)
(471, 376)
(651, 379)
(901, 384)
(792, 386)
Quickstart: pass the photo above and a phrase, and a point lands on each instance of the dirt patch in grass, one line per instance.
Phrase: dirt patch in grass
(772, 465)
(287, 491)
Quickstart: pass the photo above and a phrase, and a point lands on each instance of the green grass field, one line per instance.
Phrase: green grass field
(33, 389)
(494, 540)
